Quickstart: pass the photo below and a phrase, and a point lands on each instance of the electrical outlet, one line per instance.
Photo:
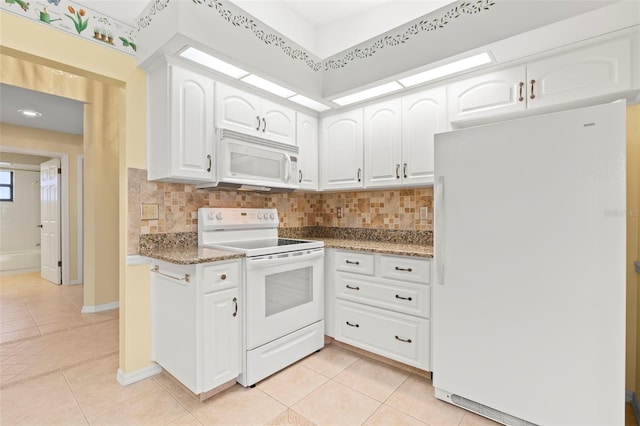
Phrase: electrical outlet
(340, 213)
(424, 213)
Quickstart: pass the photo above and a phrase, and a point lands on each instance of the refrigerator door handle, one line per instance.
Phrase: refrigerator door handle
(439, 229)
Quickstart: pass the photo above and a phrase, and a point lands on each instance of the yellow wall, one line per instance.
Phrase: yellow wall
(633, 248)
(24, 137)
(114, 131)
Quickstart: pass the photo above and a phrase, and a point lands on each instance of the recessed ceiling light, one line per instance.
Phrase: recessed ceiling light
(447, 69)
(30, 113)
(368, 93)
(212, 62)
(309, 103)
(267, 85)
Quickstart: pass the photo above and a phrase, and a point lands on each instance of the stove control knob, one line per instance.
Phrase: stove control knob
(260, 216)
(219, 216)
(272, 216)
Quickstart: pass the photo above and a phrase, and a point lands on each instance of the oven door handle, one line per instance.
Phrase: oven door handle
(284, 258)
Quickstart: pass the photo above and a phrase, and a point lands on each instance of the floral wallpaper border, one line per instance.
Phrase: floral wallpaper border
(77, 19)
(265, 35)
(423, 25)
(84, 22)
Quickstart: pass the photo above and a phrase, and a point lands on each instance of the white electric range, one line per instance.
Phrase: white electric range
(282, 291)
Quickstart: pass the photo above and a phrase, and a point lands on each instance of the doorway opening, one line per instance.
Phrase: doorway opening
(31, 160)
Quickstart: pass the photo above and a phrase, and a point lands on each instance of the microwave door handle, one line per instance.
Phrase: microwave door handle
(287, 169)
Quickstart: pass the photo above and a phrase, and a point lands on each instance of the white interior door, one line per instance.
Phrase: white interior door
(50, 268)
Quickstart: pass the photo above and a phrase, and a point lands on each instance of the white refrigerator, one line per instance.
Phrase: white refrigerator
(529, 292)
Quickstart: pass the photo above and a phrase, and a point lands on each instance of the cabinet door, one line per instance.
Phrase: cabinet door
(423, 115)
(341, 150)
(495, 93)
(192, 131)
(237, 110)
(307, 138)
(221, 342)
(382, 145)
(278, 123)
(604, 69)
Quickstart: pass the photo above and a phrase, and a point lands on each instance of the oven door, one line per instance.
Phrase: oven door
(284, 293)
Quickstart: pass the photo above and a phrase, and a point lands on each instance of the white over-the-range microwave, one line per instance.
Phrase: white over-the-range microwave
(251, 163)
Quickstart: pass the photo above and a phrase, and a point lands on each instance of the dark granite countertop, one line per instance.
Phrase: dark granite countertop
(191, 255)
(398, 249)
(182, 248)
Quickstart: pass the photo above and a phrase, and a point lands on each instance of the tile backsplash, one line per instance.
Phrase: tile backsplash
(178, 204)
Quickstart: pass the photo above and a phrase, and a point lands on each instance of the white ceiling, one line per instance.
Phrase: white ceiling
(58, 114)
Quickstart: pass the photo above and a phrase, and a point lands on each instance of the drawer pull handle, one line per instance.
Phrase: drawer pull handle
(223, 277)
(403, 298)
(403, 340)
(352, 288)
(354, 325)
(235, 301)
(352, 263)
(403, 269)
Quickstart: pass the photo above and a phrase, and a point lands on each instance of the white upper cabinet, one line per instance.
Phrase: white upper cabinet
(398, 139)
(591, 72)
(382, 144)
(247, 113)
(180, 130)
(307, 138)
(423, 115)
(341, 150)
(498, 92)
(597, 73)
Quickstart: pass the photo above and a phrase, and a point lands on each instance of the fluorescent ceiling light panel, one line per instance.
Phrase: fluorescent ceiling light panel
(309, 103)
(268, 86)
(368, 93)
(212, 62)
(446, 70)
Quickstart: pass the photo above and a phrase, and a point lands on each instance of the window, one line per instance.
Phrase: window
(6, 185)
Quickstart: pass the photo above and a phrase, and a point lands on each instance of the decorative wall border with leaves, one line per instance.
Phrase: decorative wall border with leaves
(77, 19)
(242, 21)
(389, 40)
(424, 25)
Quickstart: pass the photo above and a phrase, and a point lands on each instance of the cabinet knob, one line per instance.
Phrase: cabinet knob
(223, 277)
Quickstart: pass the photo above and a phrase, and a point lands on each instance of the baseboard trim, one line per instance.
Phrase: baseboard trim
(99, 308)
(74, 282)
(125, 379)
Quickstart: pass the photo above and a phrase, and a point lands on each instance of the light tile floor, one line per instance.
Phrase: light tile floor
(58, 367)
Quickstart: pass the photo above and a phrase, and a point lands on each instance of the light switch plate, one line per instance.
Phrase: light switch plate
(149, 212)
(424, 213)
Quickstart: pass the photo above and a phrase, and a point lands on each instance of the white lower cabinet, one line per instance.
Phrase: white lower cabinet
(400, 337)
(383, 305)
(196, 322)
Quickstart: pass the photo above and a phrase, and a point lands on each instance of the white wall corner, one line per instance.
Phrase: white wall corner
(125, 379)
(99, 308)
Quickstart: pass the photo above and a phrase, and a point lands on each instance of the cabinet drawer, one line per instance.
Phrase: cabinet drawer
(405, 268)
(359, 263)
(400, 337)
(220, 276)
(407, 298)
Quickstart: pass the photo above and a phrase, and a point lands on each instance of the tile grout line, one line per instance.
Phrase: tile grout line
(84, 414)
